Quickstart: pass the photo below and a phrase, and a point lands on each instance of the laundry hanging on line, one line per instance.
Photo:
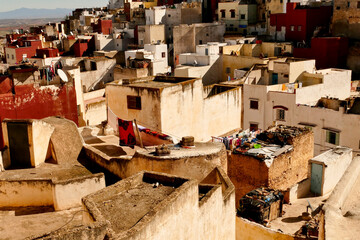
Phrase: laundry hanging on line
(126, 133)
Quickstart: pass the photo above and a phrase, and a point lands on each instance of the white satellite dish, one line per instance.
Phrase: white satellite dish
(63, 75)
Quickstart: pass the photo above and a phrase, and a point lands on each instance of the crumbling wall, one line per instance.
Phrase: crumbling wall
(31, 102)
(292, 167)
(246, 173)
(346, 19)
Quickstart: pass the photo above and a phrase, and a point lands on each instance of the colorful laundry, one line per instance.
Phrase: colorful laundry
(126, 133)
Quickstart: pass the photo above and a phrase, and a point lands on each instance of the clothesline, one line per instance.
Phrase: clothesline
(113, 123)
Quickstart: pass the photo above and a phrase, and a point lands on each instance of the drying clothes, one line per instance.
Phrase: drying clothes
(126, 133)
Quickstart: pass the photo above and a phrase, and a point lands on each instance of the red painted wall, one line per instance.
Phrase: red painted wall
(5, 85)
(328, 52)
(48, 52)
(307, 18)
(80, 48)
(36, 103)
(103, 26)
(29, 51)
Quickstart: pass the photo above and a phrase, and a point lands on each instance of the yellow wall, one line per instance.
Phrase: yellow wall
(246, 230)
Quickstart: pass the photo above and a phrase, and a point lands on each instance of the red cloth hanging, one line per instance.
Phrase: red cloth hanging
(126, 133)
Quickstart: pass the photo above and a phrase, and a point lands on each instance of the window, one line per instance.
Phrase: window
(292, 28)
(8, 56)
(263, 16)
(338, 8)
(222, 13)
(348, 4)
(169, 15)
(200, 41)
(274, 78)
(299, 28)
(286, 75)
(163, 54)
(254, 126)
(227, 70)
(93, 66)
(281, 1)
(134, 102)
(358, 4)
(254, 104)
(332, 137)
(232, 13)
(280, 114)
(242, 16)
(12, 57)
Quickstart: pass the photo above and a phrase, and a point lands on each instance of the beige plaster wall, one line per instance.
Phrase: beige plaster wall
(217, 122)
(67, 195)
(246, 230)
(26, 193)
(236, 62)
(149, 115)
(181, 110)
(41, 133)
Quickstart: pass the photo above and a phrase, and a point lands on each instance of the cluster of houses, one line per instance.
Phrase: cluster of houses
(233, 106)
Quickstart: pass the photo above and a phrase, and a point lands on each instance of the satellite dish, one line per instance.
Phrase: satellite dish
(63, 75)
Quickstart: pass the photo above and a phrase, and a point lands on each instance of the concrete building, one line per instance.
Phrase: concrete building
(328, 168)
(299, 22)
(153, 56)
(206, 63)
(151, 34)
(196, 113)
(272, 95)
(269, 166)
(329, 52)
(345, 19)
(186, 37)
(237, 16)
(243, 56)
(16, 54)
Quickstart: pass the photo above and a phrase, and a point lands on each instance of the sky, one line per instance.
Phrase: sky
(8, 5)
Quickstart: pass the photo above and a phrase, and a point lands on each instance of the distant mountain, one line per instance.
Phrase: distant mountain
(29, 13)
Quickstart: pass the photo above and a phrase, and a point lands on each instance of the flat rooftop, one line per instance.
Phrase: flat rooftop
(127, 202)
(158, 82)
(28, 226)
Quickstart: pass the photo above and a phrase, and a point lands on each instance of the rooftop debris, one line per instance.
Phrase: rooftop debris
(261, 205)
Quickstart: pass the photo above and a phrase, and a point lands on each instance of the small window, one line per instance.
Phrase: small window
(263, 16)
(254, 126)
(93, 66)
(232, 14)
(286, 75)
(358, 4)
(169, 15)
(254, 104)
(222, 13)
(12, 57)
(348, 4)
(200, 41)
(134, 102)
(281, 1)
(332, 137)
(299, 28)
(227, 70)
(8, 56)
(242, 16)
(280, 114)
(163, 54)
(292, 28)
(338, 8)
